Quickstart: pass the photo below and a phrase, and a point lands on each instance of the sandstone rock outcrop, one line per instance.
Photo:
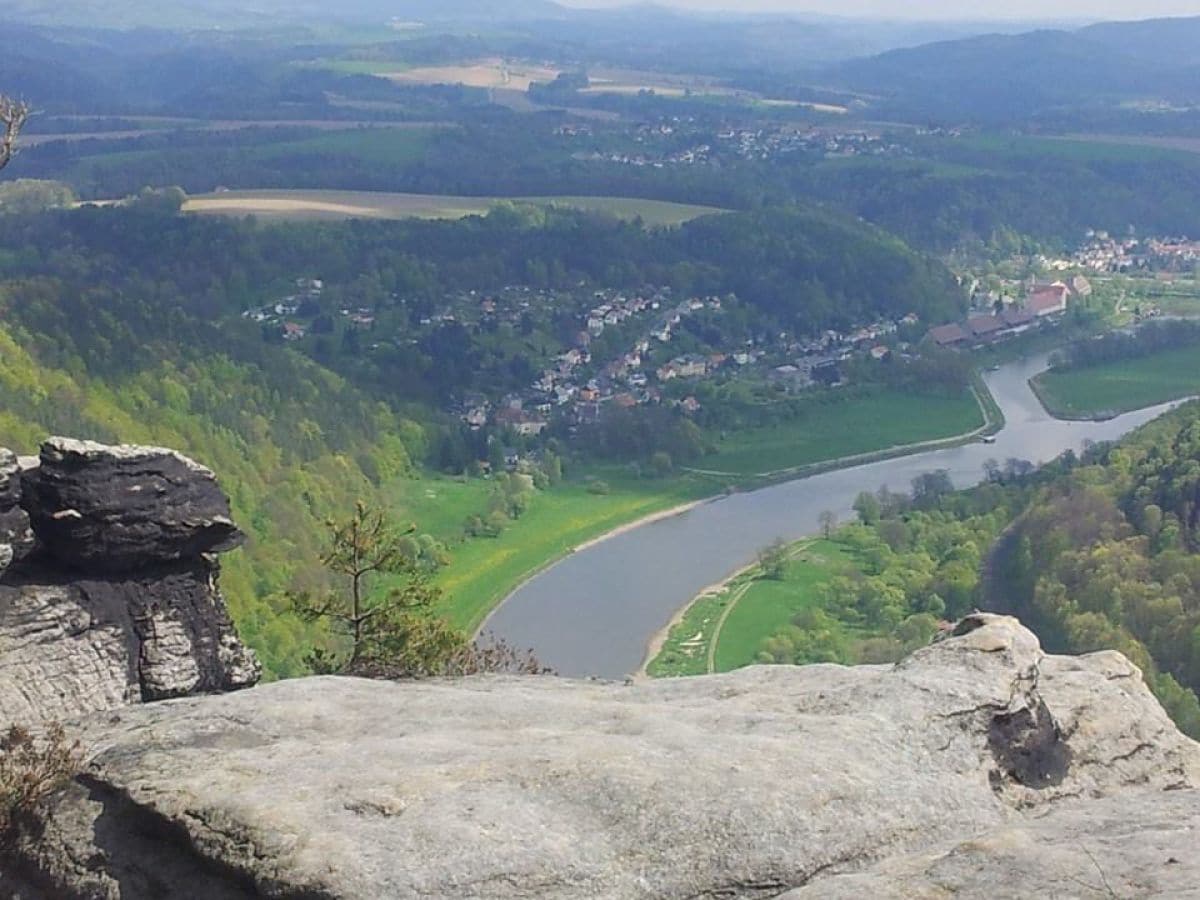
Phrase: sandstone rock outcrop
(16, 535)
(109, 590)
(113, 509)
(976, 756)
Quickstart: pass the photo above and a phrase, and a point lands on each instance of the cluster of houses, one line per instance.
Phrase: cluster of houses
(750, 143)
(1043, 302)
(1101, 252)
(304, 304)
(582, 387)
(616, 308)
(308, 291)
(817, 360)
(1181, 249)
(579, 389)
(771, 142)
(700, 153)
(506, 306)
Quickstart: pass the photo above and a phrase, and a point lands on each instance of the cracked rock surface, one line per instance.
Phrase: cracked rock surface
(977, 767)
(108, 589)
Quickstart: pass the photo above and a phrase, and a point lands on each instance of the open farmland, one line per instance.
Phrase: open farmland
(488, 73)
(315, 204)
(1185, 144)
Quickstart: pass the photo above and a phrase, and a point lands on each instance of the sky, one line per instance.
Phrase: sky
(1090, 10)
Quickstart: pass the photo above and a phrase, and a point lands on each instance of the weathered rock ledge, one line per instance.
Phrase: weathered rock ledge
(108, 581)
(978, 767)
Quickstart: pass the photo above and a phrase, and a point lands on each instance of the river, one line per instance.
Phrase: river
(594, 612)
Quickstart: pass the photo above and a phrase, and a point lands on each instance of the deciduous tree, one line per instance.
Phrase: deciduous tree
(828, 521)
(773, 560)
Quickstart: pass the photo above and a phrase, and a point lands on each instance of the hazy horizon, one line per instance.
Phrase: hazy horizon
(1030, 10)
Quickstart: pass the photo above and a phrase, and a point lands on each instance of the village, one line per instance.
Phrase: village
(580, 387)
(625, 348)
(607, 350)
(768, 143)
(669, 142)
(1101, 252)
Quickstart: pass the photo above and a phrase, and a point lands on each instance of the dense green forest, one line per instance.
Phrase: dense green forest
(966, 191)
(1108, 558)
(799, 268)
(292, 442)
(95, 348)
(941, 193)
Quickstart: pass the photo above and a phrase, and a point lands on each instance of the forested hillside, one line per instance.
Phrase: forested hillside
(1110, 558)
(998, 79)
(971, 189)
(800, 267)
(92, 349)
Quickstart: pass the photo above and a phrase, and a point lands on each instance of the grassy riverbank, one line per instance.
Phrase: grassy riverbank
(484, 570)
(867, 425)
(1112, 388)
(724, 629)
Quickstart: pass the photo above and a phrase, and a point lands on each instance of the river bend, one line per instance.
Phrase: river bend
(594, 612)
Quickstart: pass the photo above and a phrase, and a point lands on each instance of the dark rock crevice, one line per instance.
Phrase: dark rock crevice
(1028, 747)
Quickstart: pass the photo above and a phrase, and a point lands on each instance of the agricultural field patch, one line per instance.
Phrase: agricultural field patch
(322, 204)
(488, 73)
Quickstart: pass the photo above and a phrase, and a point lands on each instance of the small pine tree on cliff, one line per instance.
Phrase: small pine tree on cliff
(390, 628)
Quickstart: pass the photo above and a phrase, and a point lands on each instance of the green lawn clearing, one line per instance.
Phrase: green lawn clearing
(1113, 388)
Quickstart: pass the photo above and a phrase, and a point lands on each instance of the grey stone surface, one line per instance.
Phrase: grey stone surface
(1133, 845)
(973, 753)
(100, 508)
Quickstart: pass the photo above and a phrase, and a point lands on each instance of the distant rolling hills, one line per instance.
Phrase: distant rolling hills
(994, 78)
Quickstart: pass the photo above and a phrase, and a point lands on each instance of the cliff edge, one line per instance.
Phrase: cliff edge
(977, 767)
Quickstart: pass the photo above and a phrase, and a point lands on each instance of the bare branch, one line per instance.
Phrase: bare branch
(13, 114)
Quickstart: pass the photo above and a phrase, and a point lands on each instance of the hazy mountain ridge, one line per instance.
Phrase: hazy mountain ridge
(999, 77)
(1172, 42)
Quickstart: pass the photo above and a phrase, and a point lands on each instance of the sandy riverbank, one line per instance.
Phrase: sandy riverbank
(659, 640)
(645, 520)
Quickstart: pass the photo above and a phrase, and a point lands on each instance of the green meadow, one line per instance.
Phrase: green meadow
(869, 424)
(1112, 388)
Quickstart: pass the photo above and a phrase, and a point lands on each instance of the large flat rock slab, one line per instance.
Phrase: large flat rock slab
(746, 785)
